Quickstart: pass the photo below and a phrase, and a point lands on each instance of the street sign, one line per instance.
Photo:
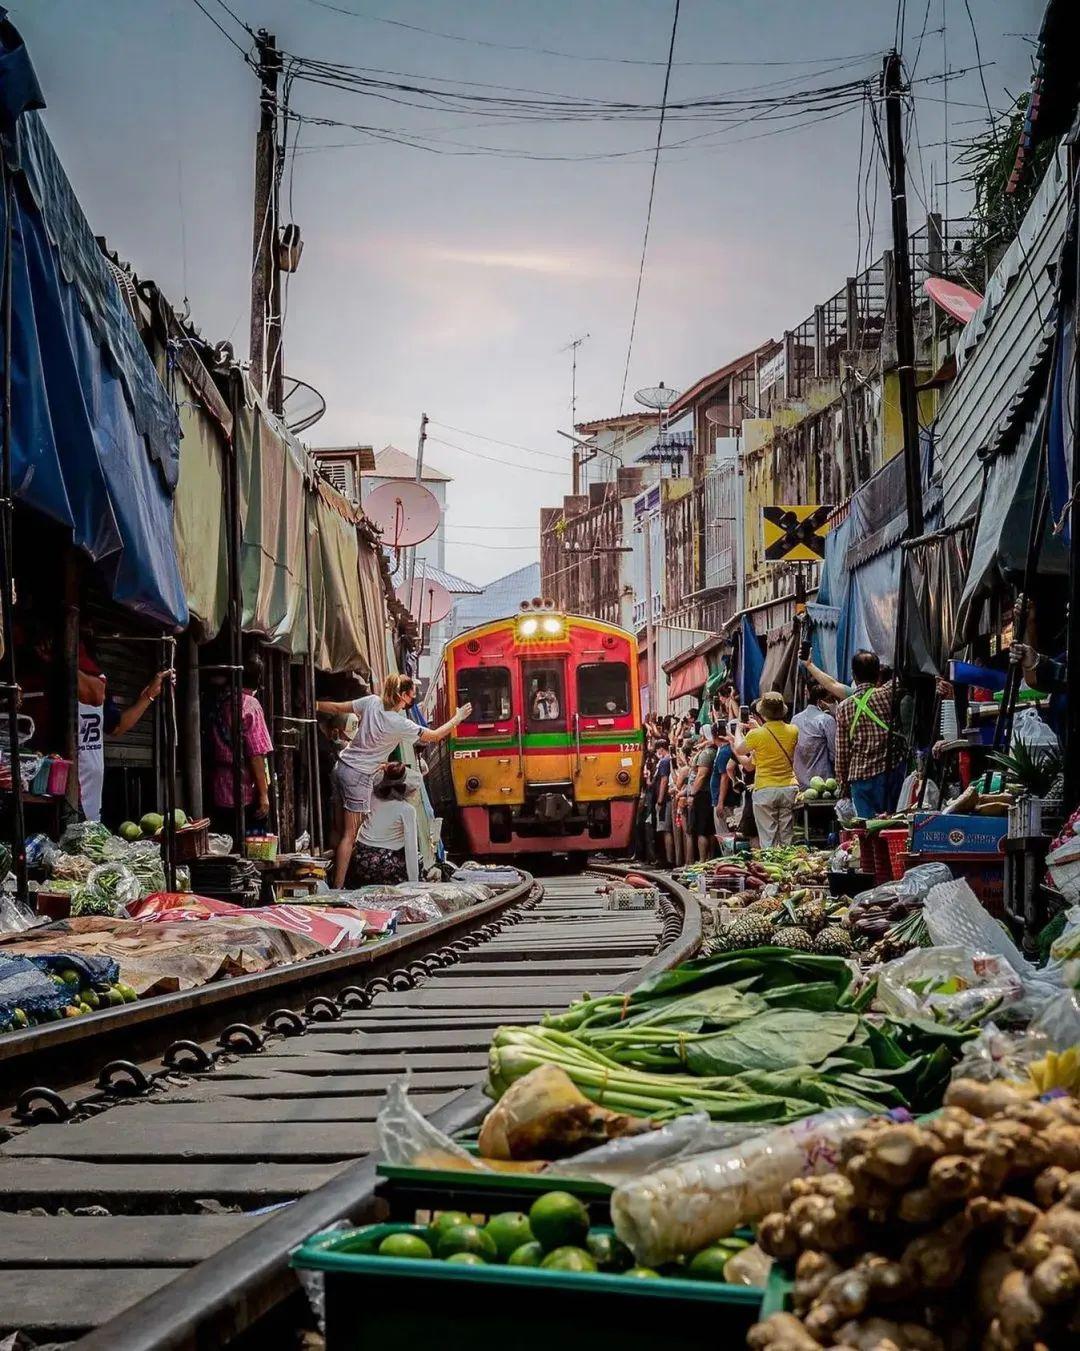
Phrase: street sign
(795, 534)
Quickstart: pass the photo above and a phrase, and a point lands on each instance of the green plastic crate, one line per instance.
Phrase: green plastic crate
(411, 1194)
(385, 1302)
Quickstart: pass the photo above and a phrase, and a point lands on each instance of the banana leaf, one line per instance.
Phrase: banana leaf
(776, 1040)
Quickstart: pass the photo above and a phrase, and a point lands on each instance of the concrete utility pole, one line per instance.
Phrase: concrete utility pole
(893, 89)
(650, 634)
(410, 570)
(265, 348)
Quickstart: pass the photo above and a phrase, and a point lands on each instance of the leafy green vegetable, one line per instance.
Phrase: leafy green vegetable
(774, 1040)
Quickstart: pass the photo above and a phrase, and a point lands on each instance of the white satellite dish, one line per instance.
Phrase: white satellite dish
(426, 600)
(406, 512)
(658, 397)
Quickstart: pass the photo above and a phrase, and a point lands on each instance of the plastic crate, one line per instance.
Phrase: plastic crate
(984, 874)
(414, 1195)
(896, 849)
(386, 1301)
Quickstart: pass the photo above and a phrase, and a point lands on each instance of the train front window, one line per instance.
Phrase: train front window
(545, 700)
(487, 688)
(604, 690)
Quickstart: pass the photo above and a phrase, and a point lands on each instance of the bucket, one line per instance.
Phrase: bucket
(58, 777)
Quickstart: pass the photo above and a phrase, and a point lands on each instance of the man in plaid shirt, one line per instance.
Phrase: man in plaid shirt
(862, 741)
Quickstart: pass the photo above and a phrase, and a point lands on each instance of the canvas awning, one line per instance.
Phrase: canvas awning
(688, 678)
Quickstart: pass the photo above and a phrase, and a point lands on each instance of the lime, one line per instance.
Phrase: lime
(466, 1259)
(528, 1255)
(608, 1253)
(465, 1238)
(643, 1274)
(559, 1220)
(568, 1259)
(19, 1018)
(447, 1220)
(403, 1245)
(508, 1231)
(70, 977)
(709, 1264)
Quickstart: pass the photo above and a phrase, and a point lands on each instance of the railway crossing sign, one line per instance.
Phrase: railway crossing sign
(795, 534)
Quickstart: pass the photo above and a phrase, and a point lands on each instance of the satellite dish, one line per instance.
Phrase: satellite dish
(426, 600)
(720, 416)
(302, 405)
(958, 301)
(659, 397)
(406, 512)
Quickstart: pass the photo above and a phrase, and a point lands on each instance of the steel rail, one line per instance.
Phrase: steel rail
(222, 1298)
(62, 1054)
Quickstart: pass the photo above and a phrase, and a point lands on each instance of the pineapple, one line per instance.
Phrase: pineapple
(811, 915)
(793, 937)
(834, 941)
(752, 931)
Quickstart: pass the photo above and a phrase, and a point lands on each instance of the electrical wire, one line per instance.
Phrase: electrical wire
(509, 464)
(652, 197)
(223, 30)
(511, 445)
(982, 77)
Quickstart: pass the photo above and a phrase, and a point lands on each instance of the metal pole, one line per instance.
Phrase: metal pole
(1072, 654)
(7, 580)
(410, 572)
(168, 844)
(315, 793)
(650, 635)
(893, 89)
(236, 638)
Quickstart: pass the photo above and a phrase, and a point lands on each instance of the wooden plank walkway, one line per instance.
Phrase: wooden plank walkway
(269, 1127)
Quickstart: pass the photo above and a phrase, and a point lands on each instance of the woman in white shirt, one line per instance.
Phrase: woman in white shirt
(382, 727)
(387, 843)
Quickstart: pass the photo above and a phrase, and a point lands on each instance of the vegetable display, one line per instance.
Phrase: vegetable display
(763, 1035)
(960, 1231)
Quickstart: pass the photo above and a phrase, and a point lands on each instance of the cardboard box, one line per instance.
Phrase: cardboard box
(939, 833)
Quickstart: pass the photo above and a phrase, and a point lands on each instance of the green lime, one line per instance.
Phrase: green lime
(466, 1259)
(643, 1274)
(508, 1231)
(403, 1245)
(19, 1018)
(559, 1220)
(447, 1220)
(465, 1238)
(568, 1258)
(709, 1264)
(528, 1255)
(608, 1253)
(70, 978)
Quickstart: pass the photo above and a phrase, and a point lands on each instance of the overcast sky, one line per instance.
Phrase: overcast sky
(448, 282)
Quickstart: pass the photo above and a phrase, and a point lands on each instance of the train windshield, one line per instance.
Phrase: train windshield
(603, 689)
(487, 688)
(544, 696)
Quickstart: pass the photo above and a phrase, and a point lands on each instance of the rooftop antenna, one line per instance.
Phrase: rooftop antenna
(660, 398)
(572, 347)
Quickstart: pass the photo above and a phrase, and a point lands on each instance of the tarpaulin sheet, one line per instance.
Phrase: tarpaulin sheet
(1004, 524)
(341, 641)
(199, 520)
(934, 574)
(751, 660)
(272, 564)
(824, 622)
(781, 661)
(379, 650)
(688, 678)
(1063, 431)
(85, 384)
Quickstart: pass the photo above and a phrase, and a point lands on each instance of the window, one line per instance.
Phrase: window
(545, 702)
(487, 688)
(603, 690)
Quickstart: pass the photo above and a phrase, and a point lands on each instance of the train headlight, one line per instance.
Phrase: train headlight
(528, 628)
(553, 626)
(623, 777)
(472, 784)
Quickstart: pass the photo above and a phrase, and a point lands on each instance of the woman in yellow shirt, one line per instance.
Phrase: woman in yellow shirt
(770, 748)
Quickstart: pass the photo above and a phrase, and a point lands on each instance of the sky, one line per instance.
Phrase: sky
(447, 281)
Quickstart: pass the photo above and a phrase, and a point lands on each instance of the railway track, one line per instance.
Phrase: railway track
(159, 1211)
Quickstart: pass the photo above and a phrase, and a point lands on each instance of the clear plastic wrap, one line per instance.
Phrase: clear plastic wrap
(1059, 1021)
(684, 1207)
(116, 882)
(70, 867)
(638, 1155)
(15, 917)
(93, 840)
(947, 984)
(955, 918)
(406, 1137)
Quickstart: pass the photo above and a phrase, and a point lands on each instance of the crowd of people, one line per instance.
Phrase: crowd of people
(729, 770)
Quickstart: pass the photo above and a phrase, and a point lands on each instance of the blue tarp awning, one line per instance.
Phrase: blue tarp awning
(94, 435)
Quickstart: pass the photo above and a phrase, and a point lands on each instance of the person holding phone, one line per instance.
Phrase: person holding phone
(771, 750)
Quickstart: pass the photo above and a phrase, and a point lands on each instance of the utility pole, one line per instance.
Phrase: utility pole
(410, 571)
(650, 635)
(265, 347)
(893, 90)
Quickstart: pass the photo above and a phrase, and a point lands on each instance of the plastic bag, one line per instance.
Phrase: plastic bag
(414, 909)
(24, 987)
(40, 852)
(143, 857)
(407, 1138)
(15, 917)
(70, 867)
(845, 812)
(1030, 729)
(1059, 1021)
(947, 984)
(638, 1155)
(220, 845)
(93, 840)
(115, 882)
(684, 1207)
(995, 1054)
(954, 916)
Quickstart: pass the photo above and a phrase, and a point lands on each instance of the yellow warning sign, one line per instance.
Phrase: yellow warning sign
(795, 534)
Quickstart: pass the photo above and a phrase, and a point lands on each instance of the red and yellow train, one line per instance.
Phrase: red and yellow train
(550, 759)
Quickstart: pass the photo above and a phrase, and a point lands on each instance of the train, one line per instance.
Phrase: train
(550, 759)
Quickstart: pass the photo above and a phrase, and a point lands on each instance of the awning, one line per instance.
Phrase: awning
(689, 678)
(95, 437)
(935, 568)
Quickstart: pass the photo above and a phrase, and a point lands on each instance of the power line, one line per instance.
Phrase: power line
(982, 77)
(511, 445)
(652, 196)
(473, 544)
(509, 464)
(223, 30)
(237, 19)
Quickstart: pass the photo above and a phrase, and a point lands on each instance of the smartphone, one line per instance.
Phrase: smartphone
(744, 713)
(804, 650)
